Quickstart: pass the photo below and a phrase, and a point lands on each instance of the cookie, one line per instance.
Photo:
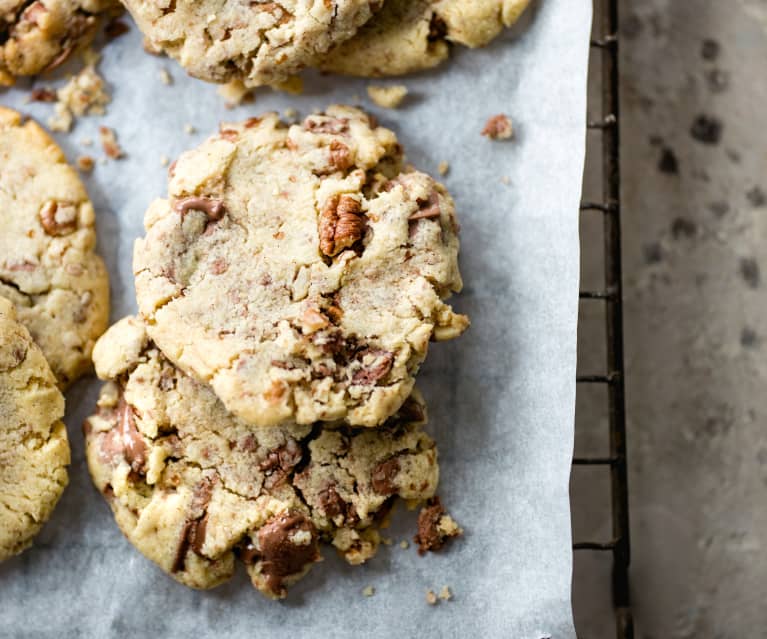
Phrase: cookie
(411, 35)
(39, 36)
(257, 43)
(34, 451)
(195, 489)
(298, 271)
(48, 267)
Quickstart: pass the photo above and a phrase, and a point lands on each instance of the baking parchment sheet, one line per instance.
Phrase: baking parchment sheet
(501, 397)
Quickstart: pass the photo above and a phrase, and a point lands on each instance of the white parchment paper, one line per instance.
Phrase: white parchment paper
(501, 398)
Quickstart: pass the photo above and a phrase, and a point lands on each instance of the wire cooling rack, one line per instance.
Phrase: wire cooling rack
(605, 49)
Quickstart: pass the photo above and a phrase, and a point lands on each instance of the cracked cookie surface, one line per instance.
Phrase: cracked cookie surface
(298, 271)
(411, 35)
(48, 267)
(195, 489)
(34, 451)
(39, 36)
(260, 42)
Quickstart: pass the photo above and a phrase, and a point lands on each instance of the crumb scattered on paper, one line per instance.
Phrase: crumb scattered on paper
(84, 94)
(443, 167)
(368, 591)
(109, 143)
(42, 94)
(165, 77)
(234, 93)
(431, 598)
(445, 593)
(435, 527)
(506, 180)
(388, 97)
(386, 541)
(498, 127)
(404, 544)
(290, 113)
(164, 160)
(188, 128)
(87, 141)
(86, 163)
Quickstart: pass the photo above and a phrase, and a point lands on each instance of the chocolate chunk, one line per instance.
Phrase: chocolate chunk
(380, 368)
(428, 209)
(333, 505)
(286, 545)
(384, 475)
(280, 462)
(411, 411)
(213, 208)
(194, 529)
(435, 527)
(124, 440)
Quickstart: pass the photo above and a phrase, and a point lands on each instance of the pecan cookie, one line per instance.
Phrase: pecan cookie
(48, 267)
(194, 488)
(410, 35)
(298, 271)
(34, 451)
(39, 36)
(258, 42)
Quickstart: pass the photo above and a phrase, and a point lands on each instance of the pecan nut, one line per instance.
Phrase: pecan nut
(58, 218)
(341, 224)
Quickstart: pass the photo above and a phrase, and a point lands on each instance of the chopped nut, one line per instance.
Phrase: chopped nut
(109, 143)
(404, 544)
(445, 594)
(388, 97)
(498, 128)
(341, 224)
(165, 77)
(443, 167)
(368, 591)
(431, 598)
(86, 163)
(42, 94)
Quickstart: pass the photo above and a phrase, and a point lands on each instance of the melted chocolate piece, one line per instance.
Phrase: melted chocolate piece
(383, 476)
(213, 208)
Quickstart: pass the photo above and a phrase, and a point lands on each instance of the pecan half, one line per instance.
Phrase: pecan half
(58, 218)
(341, 224)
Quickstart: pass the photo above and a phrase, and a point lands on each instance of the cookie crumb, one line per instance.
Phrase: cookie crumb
(443, 167)
(386, 541)
(87, 141)
(164, 160)
(165, 77)
(86, 163)
(188, 128)
(234, 93)
(498, 127)
(84, 94)
(42, 94)
(431, 598)
(109, 143)
(369, 591)
(445, 594)
(435, 527)
(290, 113)
(506, 180)
(404, 544)
(388, 97)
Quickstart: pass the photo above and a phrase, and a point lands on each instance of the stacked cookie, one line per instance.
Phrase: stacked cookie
(263, 400)
(267, 43)
(54, 303)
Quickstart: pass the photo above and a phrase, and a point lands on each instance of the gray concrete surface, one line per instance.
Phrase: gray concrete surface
(694, 154)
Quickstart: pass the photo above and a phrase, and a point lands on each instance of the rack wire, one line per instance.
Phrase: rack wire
(606, 46)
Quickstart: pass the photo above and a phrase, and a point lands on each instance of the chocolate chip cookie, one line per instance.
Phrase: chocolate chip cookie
(34, 451)
(259, 42)
(48, 267)
(194, 488)
(39, 36)
(299, 271)
(410, 35)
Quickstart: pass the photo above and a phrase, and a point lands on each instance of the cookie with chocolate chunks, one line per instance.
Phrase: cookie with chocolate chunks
(39, 36)
(196, 489)
(411, 35)
(34, 452)
(48, 265)
(259, 42)
(299, 271)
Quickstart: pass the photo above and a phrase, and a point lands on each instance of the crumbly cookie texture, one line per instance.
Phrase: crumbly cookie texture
(39, 36)
(260, 42)
(48, 267)
(298, 271)
(34, 451)
(194, 488)
(411, 35)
